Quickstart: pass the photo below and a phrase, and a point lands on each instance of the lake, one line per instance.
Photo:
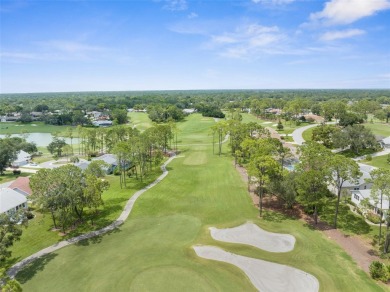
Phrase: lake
(42, 139)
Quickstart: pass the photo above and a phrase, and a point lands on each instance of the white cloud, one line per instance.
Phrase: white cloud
(56, 50)
(192, 15)
(348, 11)
(341, 34)
(247, 41)
(69, 46)
(175, 5)
(273, 2)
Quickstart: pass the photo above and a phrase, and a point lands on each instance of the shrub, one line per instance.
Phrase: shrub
(373, 218)
(29, 215)
(16, 171)
(280, 126)
(379, 271)
(368, 157)
(310, 120)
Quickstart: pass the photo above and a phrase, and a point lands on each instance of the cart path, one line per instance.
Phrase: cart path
(123, 216)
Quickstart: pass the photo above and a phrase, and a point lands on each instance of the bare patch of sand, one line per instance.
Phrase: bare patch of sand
(251, 234)
(265, 276)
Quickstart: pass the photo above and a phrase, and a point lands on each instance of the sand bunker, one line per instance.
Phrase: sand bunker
(267, 123)
(253, 235)
(265, 276)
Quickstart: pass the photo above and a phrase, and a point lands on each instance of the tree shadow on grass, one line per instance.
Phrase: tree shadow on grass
(35, 266)
(275, 216)
(97, 239)
(346, 219)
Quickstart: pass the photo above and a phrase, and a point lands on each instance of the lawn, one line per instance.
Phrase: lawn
(379, 161)
(140, 120)
(38, 235)
(152, 250)
(307, 135)
(289, 127)
(9, 176)
(35, 127)
(379, 129)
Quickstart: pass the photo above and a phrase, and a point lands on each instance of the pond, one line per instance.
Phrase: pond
(42, 139)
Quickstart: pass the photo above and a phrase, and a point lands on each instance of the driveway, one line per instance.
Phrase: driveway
(57, 163)
(297, 134)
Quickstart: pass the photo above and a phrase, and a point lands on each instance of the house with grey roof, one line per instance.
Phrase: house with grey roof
(358, 196)
(385, 143)
(363, 182)
(11, 201)
(22, 159)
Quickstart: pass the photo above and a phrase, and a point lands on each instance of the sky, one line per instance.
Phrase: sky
(120, 45)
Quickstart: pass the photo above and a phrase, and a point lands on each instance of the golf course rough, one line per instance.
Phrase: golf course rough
(265, 276)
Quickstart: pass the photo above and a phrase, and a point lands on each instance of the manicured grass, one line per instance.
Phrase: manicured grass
(153, 251)
(380, 129)
(140, 120)
(289, 127)
(9, 176)
(34, 127)
(379, 161)
(307, 135)
(38, 235)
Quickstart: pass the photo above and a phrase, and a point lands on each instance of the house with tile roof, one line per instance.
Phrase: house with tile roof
(21, 185)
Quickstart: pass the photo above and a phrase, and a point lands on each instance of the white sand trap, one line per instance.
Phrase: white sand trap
(267, 123)
(265, 276)
(274, 125)
(253, 235)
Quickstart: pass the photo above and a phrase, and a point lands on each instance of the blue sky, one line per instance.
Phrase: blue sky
(49, 46)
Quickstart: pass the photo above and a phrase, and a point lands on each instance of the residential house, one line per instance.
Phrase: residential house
(22, 159)
(358, 196)
(102, 123)
(385, 143)
(111, 161)
(94, 114)
(11, 201)
(361, 183)
(21, 185)
(189, 111)
(83, 165)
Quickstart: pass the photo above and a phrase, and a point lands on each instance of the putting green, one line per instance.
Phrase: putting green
(170, 278)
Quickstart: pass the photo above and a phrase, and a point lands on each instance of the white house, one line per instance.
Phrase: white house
(189, 111)
(102, 123)
(11, 201)
(385, 143)
(358, 196)
(361, 183)
(22, 159)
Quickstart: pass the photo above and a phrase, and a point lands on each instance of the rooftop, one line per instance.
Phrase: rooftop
(9, 199)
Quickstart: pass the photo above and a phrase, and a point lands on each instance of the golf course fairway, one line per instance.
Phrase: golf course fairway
(153, 249)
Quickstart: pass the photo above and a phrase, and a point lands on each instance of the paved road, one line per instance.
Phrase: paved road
(381, 153)
(123, 216)
(297, 134)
